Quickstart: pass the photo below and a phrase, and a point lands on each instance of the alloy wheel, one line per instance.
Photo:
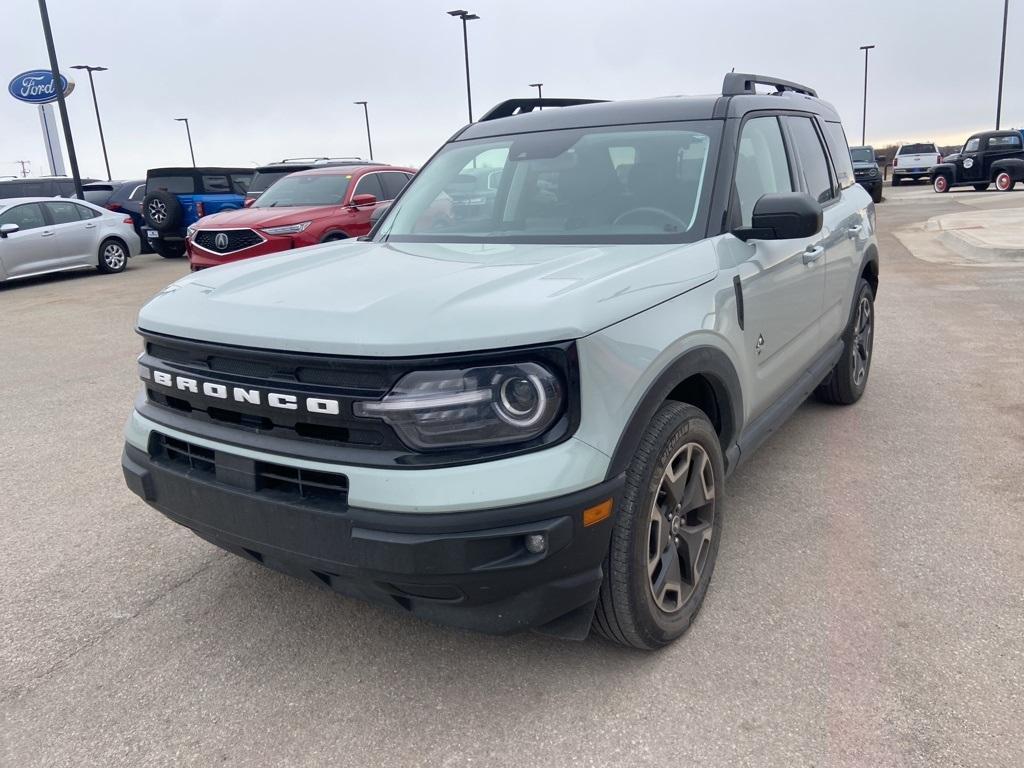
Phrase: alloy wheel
(157, 211)
(113, 256)
(862, 340)
(681, 525)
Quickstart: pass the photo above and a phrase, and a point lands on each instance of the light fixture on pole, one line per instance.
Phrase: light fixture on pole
(96, 106)
(864, 114)
(539, 87)
(366, 113)
(466, 16)
(188, 132)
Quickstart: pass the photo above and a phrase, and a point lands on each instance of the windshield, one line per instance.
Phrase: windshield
(263, 179)
(319, 189)
(862, 155)
(619, 184)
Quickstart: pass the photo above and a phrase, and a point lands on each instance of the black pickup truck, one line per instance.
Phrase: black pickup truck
(992, 157)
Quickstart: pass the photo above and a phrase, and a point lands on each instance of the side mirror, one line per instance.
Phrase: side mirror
(378, 212)
(783, 216)
(8, 229)
(358, 201)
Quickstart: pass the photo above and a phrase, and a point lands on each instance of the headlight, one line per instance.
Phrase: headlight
(472, 406)
(190, 232)
(288, 229)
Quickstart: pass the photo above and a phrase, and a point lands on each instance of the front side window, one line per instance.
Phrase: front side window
(972, 145)
(318, 189)
(761, 165)
(812, 158)
(369, 185)
(27, 216)
(564, 186)
(63, 213)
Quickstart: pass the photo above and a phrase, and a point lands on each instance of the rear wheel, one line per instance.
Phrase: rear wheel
(113, 257)
(1005, 182)
(896, 181)
(980, 187)
(846, 383)
(940, 183)
(667, 531)
(876, 194)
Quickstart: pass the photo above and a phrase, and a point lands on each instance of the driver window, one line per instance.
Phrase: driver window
(972, 145)
(28, 216)
(761, 165)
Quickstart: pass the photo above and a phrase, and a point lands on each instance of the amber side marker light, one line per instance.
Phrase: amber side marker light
(597, 513)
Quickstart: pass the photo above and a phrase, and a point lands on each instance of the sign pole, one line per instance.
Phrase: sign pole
(53, 154)
(45, 17)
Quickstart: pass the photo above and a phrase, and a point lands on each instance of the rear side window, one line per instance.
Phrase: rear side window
(1003, 142)
(840, 151)
(918, 149)
(63, 213)
(393, 183)
(176, 185)
(16, 189)
(240, 183)
(216, 185)
(37, 189)
(85, 213)
(138, 193)
(761, 164)
(812, 158)
(28, 216)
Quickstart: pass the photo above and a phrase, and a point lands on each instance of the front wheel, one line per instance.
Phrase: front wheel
(940, 183)
(1005, 182)
(876, 194)
(846, 382)
(667, 530)
(113, 257)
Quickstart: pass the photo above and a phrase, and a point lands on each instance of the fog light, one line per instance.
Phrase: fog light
(536, 543)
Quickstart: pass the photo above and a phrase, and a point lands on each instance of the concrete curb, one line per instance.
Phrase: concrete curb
(982, 236)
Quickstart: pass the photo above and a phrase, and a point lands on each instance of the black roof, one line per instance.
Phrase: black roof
(185, 170)
(737, 98)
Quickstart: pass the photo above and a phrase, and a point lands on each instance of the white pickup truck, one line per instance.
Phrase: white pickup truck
(912, 161)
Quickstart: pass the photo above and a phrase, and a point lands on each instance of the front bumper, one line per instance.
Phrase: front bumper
(468, 569)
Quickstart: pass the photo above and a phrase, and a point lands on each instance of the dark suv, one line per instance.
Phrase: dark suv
(993, 157)
(46, 186)
(866, 171)
(176, 198)
(121, 197)
(268, 174)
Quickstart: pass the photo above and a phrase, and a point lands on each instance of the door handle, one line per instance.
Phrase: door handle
(46, 234)
(855, 229)
(93, 226)
(813, 253)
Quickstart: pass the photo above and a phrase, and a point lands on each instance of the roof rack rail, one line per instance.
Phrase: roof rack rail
(512, 107)
(740, 83)
(316, 159)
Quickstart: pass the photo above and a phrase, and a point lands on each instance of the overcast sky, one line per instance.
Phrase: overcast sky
(277, 78)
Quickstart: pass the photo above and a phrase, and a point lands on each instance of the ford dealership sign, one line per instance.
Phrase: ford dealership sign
(36, 86)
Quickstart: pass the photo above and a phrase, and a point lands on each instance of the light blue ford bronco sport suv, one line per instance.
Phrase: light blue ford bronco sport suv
(522, 415)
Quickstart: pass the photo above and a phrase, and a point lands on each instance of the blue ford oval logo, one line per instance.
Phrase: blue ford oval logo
(36, 86)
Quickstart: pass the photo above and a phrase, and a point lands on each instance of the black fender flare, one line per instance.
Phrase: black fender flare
(708, 361)
(1012, 165)
(946, 169)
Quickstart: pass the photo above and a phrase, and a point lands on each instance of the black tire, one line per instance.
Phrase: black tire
(169, 250)
(112, 256)
(1004, 181)
(941, 183)
(896, 180)
(876, 194)
(980, 187)
(846, 382)
(627, 610)
(162, 211)
(334, 237)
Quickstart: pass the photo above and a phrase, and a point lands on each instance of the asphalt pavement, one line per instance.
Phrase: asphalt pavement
(867, 608)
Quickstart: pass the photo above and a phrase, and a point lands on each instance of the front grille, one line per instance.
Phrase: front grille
(278, 480)
(226, 240)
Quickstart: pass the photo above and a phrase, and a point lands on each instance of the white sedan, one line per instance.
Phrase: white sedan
(45, 234)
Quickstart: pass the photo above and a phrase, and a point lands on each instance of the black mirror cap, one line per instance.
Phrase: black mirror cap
(783, 216)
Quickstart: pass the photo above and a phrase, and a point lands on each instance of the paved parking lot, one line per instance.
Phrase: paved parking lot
(867, 608)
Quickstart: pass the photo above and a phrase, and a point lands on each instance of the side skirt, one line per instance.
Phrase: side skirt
(778, 412)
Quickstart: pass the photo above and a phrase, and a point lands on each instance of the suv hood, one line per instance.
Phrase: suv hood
(393, 299)
(266, 217)
(864, 166)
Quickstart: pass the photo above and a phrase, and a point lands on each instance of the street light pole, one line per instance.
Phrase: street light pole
(366, 112)
(96, 106)
(466, 16)
(189, 134)
(65, 123)
(864, 114)
(1002, 61)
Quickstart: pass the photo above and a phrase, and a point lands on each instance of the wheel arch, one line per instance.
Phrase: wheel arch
(333, 234)
(869, 267)
(1012, 166)
(703, 377)
(118, 239)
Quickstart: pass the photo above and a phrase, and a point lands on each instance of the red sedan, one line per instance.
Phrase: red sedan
(304, 208)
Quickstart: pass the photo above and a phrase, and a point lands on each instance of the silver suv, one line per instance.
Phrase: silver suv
(519, 410)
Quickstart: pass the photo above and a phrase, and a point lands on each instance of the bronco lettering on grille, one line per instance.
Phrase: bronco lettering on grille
(281, 400)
